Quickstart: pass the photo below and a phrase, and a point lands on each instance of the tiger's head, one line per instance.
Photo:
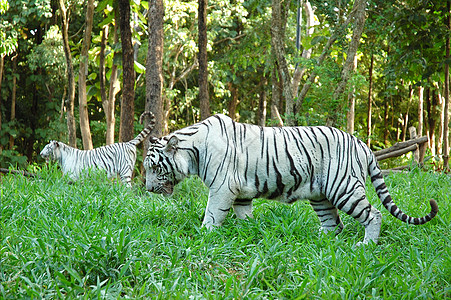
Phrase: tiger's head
(51, 151)
(165, 165)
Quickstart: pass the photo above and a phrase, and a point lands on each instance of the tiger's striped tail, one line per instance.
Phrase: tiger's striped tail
(146, 131)
(387, 201)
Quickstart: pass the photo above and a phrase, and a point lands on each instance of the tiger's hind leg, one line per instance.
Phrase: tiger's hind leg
(356, 204)
(126, 177)
(243, 208)
(328, 215)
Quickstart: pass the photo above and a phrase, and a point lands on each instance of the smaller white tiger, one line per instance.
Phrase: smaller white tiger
(115, 159)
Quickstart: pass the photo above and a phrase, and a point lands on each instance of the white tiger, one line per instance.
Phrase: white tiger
(115, 159)
(240, 162)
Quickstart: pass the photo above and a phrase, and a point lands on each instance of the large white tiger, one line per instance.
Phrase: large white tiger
(115, 159)
(240, 162)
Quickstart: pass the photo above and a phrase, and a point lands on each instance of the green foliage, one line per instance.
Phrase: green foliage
(12, 157)
(98, 239)
(49, 55)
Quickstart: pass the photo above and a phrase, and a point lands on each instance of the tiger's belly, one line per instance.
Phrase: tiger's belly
(282, 193)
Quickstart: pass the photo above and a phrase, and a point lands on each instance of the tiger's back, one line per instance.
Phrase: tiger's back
(292, 163)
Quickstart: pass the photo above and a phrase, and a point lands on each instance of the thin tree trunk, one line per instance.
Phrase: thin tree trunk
(262, 102)
(108, 101)
(70, 102)
(406, 116)
(154, 67)
(306, 53)
(431, 101)
(63, 107)
(82, 96)
(386, 132)
(350, 116)
(102, 78)
(446, 108)
(13, 99)
(233, 104)
(276, 98)
(204, 97)
(349, 65)
(441, 101)
(370, 101)
(420, 122)
(126, 130)
(420, 110)
(112, 92)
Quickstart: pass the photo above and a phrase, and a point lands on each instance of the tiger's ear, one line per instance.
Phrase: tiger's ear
(153, 139)
(171, 146)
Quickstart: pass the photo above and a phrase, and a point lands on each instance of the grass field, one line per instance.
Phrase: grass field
(98, 239)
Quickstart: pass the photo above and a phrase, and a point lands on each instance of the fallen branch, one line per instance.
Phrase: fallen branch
(24, 173)
(402, 145)
(397, 152)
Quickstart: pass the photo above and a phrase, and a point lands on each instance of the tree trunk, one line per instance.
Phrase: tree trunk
(108, 101)
(115, 87)
(154, 67)
(349, 65)
(413, 135)
(406, 116)
(102, 78)
(204, 97)
(126, 131)
(441, 105)
(278, 28)
(420, 123)
(337, 32)
(306, 53)
(13, 99)
(70, 102)
(82, 97)
(370, 101)
(431, 105)
(446, 108)
(386, 132)
(420, 110)
(233, 104)
(262, 103)
(276, 98)
(351, 106)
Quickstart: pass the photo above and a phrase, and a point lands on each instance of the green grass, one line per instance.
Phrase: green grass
(98, 239)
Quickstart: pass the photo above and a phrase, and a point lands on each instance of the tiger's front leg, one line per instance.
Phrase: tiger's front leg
(243, 208)
(218, 206)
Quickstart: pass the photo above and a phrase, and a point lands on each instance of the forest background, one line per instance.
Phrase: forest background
(75, 71)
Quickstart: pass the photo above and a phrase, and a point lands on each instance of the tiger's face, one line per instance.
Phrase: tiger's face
(50, 151)
(163, 165)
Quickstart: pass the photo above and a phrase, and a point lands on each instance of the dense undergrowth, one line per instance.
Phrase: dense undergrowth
(100, 239)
